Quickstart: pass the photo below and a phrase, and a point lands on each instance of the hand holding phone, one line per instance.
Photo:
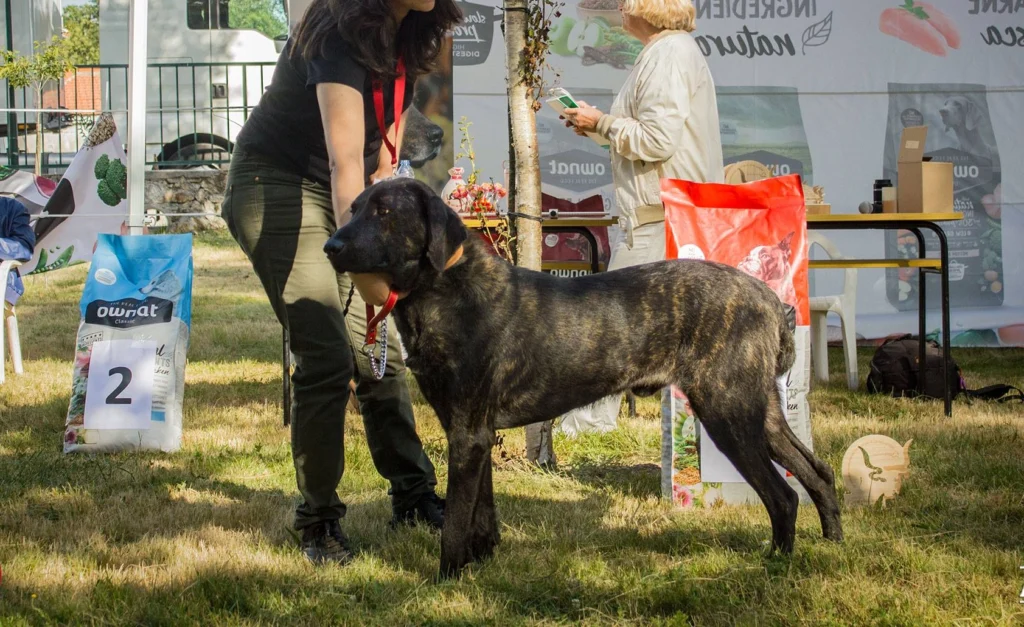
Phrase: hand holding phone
(568, 109)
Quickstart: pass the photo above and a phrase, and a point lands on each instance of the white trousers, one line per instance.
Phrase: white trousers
(648, 246)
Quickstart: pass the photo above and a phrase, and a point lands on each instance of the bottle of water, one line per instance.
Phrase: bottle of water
(405, 170)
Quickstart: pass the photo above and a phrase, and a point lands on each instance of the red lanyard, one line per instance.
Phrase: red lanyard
(378, 105)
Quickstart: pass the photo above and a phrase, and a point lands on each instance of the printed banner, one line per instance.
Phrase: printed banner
(87, 201)
(28, 189)
(959, 132)
(759, 228)
(820, 82)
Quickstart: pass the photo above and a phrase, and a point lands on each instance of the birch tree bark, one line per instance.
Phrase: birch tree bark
(527, 195)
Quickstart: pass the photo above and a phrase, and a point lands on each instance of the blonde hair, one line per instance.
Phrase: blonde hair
(664, 14)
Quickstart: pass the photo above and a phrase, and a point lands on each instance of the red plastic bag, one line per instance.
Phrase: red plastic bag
(758, 227)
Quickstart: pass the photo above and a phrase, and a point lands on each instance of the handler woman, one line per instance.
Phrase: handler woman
(313, 143)
(662, 124)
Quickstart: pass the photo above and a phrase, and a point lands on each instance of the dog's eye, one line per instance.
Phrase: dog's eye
(382, 210)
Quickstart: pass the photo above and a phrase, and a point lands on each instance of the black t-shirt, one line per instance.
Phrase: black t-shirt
(286, 128)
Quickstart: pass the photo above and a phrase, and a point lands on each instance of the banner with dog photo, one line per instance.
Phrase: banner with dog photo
(760, 229)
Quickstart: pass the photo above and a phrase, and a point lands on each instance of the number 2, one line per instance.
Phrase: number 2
(126, 378)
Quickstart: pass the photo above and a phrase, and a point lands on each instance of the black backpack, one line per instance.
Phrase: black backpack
(895, 371)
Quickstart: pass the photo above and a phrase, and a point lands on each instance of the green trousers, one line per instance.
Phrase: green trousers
(281, 221)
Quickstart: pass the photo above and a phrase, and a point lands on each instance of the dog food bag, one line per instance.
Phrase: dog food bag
(760, 228)
(129, 371)
(959, 132)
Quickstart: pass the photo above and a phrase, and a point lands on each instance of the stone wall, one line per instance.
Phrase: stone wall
(186, 191)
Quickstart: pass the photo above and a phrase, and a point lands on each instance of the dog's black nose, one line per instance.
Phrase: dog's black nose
(435, 134)
(333, 247)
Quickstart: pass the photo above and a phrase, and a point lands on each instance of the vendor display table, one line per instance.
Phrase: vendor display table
(914, 223)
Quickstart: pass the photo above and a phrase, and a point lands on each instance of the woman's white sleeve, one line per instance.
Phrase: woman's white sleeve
(662, 106)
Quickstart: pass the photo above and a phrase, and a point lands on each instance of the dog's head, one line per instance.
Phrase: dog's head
(959, 112)
(421, 139)
(400, 228)
(768, 263)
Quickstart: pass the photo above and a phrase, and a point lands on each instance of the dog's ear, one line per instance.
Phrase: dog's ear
(445, 232)
(972, 115)
(784, 244)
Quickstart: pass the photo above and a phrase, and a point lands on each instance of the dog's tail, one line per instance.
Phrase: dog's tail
(787, 344)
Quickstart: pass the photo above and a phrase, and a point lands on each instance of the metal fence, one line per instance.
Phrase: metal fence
(193, 112)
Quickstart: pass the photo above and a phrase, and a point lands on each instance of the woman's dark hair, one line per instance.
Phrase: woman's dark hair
(372, 33)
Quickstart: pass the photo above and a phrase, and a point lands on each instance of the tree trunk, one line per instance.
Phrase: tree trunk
(527, 198)
(39, 131)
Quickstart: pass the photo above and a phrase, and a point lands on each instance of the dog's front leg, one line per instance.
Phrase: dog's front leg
(470, 526)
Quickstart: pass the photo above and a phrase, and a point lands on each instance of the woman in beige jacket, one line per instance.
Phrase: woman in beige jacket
(662, 124)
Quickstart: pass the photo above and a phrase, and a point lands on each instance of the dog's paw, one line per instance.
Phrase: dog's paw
(457, 553)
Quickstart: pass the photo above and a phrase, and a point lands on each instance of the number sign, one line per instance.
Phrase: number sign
(119, 394)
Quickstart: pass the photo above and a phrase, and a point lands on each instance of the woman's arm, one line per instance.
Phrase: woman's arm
(662, 103)
(341, 109)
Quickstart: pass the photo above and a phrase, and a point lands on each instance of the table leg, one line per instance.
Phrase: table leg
(922, 307)
(946, 357)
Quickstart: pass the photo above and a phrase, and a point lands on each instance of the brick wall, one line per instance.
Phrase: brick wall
(81, 91)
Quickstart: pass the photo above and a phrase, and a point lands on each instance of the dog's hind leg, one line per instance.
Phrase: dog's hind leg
(470, 530)
(736, 425)
(815, 475)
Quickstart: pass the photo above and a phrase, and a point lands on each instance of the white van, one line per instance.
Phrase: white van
(209, 63)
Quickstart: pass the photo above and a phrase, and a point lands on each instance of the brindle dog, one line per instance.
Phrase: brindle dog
(494, 346)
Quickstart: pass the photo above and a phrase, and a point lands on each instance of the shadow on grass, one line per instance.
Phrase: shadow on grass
(527, 577)
(635, 480)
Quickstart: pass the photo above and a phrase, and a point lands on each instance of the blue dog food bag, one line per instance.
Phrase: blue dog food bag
(129, 372)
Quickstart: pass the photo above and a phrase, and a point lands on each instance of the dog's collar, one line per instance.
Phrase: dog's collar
(454, 258)
(393, 296)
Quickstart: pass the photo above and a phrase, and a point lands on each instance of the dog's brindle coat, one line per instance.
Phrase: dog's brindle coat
(494, 346)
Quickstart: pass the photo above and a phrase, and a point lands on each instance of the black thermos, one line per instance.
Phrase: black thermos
(876, 204)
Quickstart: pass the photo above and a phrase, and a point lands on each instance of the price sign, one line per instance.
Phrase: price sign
(119, 394)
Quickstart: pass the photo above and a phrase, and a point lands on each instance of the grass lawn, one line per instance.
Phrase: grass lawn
(202, 536)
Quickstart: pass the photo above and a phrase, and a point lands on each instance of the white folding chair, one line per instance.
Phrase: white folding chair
(845, 306)
(8, 322)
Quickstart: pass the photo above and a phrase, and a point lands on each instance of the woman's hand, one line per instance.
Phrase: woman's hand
(384, 172)
(583, 119)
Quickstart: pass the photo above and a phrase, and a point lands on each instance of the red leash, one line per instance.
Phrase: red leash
(373, 320)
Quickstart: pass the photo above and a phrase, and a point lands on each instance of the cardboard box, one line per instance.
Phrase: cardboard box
(819, 209)
(923, 186)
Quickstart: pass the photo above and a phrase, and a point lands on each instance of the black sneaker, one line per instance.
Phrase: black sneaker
(428, 509)
(324, 542)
